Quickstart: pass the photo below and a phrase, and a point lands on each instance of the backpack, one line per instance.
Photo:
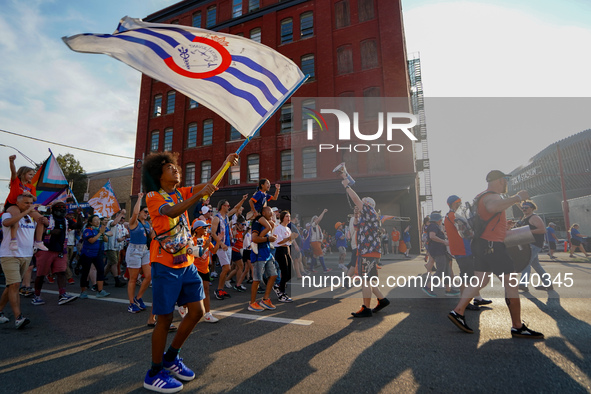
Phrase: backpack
(469, 223)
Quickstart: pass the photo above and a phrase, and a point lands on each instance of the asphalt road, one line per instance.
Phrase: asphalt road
(312, 344)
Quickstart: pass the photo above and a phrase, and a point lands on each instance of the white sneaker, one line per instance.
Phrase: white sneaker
(228, 284)
(183, 311)
(208, 317)
(342, 266)
(214, 274)
(3, 319)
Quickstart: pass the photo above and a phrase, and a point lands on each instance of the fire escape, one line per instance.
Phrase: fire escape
(420, 131)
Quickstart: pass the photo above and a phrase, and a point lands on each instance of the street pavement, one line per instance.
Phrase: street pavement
(313, 344)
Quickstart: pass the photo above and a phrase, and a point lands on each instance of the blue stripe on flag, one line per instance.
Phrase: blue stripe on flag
(253, 81)
(157, 49)
(252, 100)
(258, 68)
(169, 40)
(185, 33)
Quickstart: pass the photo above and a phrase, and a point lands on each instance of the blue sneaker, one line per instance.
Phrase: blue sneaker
(37, 300)
(102, 294)
(162, 382)
(178, 369)
(139, 303)
(83, 295)
(133, 308)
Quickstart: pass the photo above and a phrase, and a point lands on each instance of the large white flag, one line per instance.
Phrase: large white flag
(239, 79)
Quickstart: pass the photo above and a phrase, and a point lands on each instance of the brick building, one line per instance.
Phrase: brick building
(351, 48)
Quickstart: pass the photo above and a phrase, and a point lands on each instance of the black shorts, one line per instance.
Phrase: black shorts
(466, 264)
(204, 277)
(236, 256)
(246, 255)
(368, 266)
(575, 242)
(552, 245)
(496, 261)
(353, 260)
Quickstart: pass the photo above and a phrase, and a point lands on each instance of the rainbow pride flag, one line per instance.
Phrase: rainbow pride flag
(49, 181)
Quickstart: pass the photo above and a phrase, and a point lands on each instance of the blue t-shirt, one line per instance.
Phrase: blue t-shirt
(260, 199)
(406, 236)
(575, 234)
(341, 240)
(264, 248)
(550, 234)
(90, 249)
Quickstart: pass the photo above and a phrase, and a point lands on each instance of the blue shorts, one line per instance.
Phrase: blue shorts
(174, 286)
(266, 268)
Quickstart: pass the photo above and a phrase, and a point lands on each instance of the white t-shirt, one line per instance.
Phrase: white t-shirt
(353, 233)
(25, 237)
(71, 237)
(281, 232)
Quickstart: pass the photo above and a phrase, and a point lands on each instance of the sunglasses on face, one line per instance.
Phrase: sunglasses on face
(146, 211)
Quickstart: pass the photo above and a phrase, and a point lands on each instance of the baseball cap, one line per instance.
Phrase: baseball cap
(551, 224)
(496, 174)
(337, 225)
(274, 209)
(200, 223)
(435, 216)
(451, 199)
(204, 209)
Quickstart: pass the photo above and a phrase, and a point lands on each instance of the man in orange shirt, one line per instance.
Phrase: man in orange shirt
(490, 255)
(175, 279)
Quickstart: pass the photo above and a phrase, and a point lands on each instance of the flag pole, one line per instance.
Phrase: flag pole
(218, 179)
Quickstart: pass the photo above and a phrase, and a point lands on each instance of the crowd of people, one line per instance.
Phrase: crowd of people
(161, 248)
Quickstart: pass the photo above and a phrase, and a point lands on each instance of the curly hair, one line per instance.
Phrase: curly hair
(152, 168)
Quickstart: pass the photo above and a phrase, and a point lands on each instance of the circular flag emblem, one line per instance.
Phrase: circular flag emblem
(201, 58)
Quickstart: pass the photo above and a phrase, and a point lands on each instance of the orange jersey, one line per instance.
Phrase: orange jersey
(162, 223)
(17, 188)
(238, 241)
(202, 263)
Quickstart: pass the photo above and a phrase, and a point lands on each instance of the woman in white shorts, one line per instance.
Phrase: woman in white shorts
(138, 255)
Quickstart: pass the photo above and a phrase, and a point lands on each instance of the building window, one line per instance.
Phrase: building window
(207, 132)
(205, 171)
(197, 19)
(253, 5)
(369, 54)
(168, 140)
(255, 34)
(190, 174)
(234, 134)
(308, 65)
(236, 8)
(345, 59)
(192, 135)
(234, 174)
(170, 102)
(307, 24)
(366, 12)
(157, 105)
(253, 169)
(155, 141)
(371, 107)
(286, 30)
(309, 161)
(311, 104)
(286, 165)
(211, 16)
(285, 119)
(342, 17)
(193, 104)
(175, 22)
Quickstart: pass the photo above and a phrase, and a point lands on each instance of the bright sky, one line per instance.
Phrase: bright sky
(535, 48)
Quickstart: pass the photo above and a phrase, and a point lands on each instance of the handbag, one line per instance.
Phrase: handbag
(175, 239)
